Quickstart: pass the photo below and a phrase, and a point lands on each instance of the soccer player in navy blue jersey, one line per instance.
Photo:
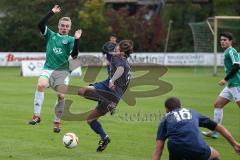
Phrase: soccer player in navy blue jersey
(109, 91)
(108, 49)
(185, 142)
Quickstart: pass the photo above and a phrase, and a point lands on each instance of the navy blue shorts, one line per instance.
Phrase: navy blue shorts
(182, 154)
(102, 85)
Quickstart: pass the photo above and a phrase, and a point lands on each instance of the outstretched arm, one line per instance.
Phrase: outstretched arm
(158, 150)
(228, 136)
(42, 24)
(77, 35)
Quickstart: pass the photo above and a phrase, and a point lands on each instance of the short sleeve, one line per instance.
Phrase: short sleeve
(206, 122)
(234, 56)
(162, 130)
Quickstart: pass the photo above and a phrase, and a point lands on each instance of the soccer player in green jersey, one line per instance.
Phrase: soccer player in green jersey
(59, 47)
(232, 79)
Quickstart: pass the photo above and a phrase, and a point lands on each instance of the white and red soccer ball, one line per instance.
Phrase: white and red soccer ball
(70, 140)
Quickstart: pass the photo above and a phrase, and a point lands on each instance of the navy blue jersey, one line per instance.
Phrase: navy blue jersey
(122, 82)
(180, 126)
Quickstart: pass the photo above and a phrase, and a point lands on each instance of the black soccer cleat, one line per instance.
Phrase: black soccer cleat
(56, 130)
(103, 144)
(35, 120)
(57, 127)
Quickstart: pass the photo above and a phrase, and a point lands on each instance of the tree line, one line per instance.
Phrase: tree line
(147, 26)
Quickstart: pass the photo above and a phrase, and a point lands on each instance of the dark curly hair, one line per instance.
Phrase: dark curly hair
(126, 46)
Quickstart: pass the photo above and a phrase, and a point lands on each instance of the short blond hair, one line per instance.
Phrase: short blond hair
(65, 19)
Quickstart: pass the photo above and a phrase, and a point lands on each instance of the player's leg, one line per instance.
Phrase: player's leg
(59, 81)
(214, 154)
(224, 98)
(218, 111)
(38, 99)
(236, 95)
(106, 98)
(106, 103)
(103, 107)
(59, 109)
(96, 126)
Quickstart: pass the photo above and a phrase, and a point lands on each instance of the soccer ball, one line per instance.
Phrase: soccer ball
(70, 140)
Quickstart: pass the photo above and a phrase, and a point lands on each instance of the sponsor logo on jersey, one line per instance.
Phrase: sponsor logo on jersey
(57, 50)
(65, 42)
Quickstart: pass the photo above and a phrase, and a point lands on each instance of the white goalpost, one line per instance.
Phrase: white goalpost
(206, 35)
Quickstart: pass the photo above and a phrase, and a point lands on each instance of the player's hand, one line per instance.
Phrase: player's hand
(56, 9)
(237, 148)
(111, 85)
(78, 34)
(222, 82)
(107, 62)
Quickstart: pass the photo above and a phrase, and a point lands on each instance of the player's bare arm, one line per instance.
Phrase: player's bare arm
(222, 82)
(228, 136)
(118, 73)
(158, 150)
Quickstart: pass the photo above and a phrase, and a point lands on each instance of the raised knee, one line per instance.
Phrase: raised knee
(81, 91)
(60, 96)
(218, 105)
(89, 121)
(41, 87)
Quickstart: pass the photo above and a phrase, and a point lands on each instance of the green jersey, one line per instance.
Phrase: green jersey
(231, 57)
(59, 48)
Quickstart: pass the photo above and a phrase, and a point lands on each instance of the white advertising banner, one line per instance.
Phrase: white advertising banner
(176, 59)
(168, 59)
(15, 58)
(34, 68)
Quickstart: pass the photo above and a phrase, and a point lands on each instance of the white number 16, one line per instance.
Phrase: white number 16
(183, 114)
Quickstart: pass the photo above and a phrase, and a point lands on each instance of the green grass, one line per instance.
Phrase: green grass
(132, 138)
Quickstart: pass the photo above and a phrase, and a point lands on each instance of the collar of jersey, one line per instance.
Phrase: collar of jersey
(61, 35)
(227, 49)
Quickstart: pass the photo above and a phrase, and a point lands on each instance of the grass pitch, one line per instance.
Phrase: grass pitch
(132, 129)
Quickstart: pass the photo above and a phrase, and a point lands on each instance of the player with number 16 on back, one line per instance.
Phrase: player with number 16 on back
(185, 142)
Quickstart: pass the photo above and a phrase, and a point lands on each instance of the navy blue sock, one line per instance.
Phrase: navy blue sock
(97, 127)
(215, 159)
